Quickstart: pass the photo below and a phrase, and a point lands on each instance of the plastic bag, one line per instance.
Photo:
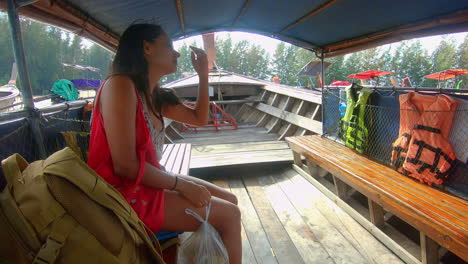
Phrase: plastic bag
(203, 246)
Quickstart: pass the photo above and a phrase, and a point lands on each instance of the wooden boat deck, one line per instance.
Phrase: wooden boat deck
(247, 145)
(286, 219)
(244, 133)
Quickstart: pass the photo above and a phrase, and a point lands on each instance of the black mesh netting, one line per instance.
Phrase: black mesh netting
(66, 129)
(58, 130)
(382, 121)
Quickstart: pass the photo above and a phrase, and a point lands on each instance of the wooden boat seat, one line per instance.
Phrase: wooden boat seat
(176, 159)
(441, 218)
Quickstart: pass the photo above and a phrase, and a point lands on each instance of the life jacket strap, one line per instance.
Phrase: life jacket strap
(422, 145)
(427, 128)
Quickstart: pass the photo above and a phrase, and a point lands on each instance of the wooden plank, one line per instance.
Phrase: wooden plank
(429, 250)
(272, 120)
(297, 159)
(240, 113)
(238, 147)
(231, 139)
(311, 167)
(271, 123)
(265, 95)
(236, 158)
(167, 151)
(282, 127)
(254, 117)
(249, 134)
(184, 169)
(289, 131)
(172, 157)
(302, 94)
(390, 231)
(179, 159)
(317, 111)
(243, 131)
(376, 213)
(276, 126)
(301, 121)
(330, 237)
(382, 237)
(340, 187)
(300, 131)
(299, 108)
(257, 237)
(173, 132)
(249, 110)
(303, 238)
(284, 105)
(168, 139)
(247, 253)
(265, 118)
(281, 243)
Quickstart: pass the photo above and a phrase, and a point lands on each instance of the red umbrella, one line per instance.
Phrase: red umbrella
(368, 74)
(340, 83)
(447, 74)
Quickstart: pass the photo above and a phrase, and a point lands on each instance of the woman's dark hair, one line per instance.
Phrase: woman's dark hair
(130, 60)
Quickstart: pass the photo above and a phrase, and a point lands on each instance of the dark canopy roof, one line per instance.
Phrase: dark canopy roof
(333, 26)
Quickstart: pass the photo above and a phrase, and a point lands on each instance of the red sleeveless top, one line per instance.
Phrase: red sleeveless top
(147, 202)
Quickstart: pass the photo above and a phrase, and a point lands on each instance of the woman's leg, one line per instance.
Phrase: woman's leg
(224, 217)
(213, 189)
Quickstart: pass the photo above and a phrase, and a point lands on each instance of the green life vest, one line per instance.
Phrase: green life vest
(354, 132)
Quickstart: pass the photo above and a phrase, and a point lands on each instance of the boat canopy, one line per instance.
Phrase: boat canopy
(447, 74)
(368, 75)
(334, 27)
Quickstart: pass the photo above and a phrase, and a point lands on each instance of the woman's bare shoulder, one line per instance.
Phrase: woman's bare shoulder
(119, 89)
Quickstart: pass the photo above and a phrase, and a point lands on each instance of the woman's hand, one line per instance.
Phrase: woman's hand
(199, 61)
(197, 194)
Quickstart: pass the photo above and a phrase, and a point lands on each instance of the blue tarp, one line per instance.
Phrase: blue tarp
(320, 23)
(86, 83)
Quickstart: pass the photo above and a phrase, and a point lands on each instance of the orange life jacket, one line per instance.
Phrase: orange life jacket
(422, 150)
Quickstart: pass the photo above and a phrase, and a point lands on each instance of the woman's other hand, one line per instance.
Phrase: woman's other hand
(197, 194)
(199, 61)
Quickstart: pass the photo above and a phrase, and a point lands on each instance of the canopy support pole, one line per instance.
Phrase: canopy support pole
(321, 56)
(26, 92)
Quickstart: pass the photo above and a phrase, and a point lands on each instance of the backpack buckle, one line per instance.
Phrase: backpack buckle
(48, 252)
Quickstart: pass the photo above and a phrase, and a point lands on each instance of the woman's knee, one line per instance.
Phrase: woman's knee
(234, 216)
(228, 215)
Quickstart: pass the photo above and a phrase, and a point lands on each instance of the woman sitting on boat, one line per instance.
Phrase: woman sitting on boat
(127, 138)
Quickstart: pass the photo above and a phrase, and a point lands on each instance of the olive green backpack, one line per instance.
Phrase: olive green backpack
(59, 210)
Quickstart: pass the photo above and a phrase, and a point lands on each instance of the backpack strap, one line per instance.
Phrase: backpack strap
(13, 167)
(99, 191)
(55, 241)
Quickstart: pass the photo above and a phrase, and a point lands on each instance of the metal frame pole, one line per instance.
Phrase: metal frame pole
(26, 92)
(322, 60)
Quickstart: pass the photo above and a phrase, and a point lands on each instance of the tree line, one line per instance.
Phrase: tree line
(405, 59)
(47, 48)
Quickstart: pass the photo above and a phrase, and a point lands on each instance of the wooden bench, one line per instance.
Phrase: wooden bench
(176, 159)
(441, 218)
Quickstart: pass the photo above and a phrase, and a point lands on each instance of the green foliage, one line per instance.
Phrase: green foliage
(46, 48)
(242, 57)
